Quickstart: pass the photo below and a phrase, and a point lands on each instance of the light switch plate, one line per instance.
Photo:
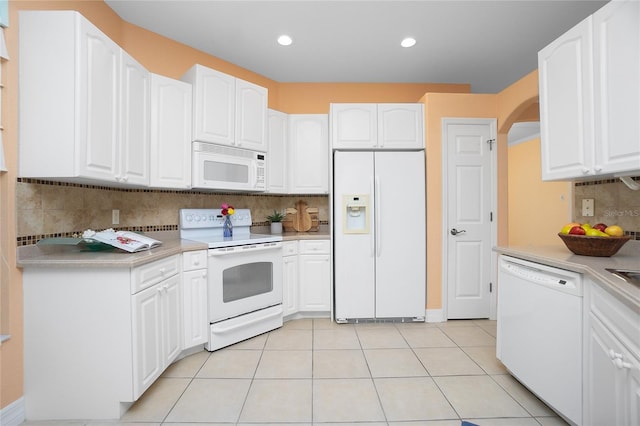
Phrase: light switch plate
(587, 207)
(115, 217)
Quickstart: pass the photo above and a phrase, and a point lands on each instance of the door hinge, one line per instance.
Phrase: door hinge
(490, 142)
(490, 216)
(490, 287)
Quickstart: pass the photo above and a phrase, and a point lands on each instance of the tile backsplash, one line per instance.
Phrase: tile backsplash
(614, 204)
(53, 209)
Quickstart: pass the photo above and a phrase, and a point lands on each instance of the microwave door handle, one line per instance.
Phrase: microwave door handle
(255, 174)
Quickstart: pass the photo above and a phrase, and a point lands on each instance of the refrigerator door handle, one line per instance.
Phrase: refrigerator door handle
(378, 218)
(372, 237)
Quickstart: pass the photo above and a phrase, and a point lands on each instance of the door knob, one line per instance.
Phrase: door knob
(454, 231)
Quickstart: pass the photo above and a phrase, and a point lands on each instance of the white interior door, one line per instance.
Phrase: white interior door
(470, 210)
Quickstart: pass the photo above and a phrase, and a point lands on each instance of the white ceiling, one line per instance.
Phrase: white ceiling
(489, 44)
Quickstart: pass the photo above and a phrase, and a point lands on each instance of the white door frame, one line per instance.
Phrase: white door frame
(445, 210)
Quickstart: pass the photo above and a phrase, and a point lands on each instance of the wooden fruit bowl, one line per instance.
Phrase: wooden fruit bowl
(593, 246)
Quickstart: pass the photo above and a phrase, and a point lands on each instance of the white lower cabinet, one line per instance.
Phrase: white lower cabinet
(96, 337)
(194, 298)
(611, 387)
(289, 278)
(306, 277)
(314, 275)
(157, 331)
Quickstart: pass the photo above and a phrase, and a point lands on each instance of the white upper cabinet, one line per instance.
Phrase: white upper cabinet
(170, 133)
(566, 112)
(616, 34)
(227, 110)
(75, 86)
(134, 119)
(354, 126)
(377, 126)
(277, 158)
(590, 97)
(308, 151)
(251, 116)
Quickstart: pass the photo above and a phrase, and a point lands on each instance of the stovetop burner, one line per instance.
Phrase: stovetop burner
(206, 226)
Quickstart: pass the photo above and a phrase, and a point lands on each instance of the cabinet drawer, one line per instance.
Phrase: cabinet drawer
(314, 246)
(616, 316)
(289, 248)
(147, 275)
(194, 260)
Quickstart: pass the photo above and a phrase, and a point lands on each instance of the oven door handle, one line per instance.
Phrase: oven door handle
(227, 251)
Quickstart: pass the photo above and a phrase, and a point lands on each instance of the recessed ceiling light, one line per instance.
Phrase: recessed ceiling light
(284, 40)
(408, 42)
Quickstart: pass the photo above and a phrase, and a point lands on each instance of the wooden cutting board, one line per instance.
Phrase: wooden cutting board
(302, 219)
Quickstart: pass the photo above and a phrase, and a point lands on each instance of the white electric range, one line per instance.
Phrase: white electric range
(244, 276)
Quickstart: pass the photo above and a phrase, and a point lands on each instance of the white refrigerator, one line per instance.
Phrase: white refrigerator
(379, 238)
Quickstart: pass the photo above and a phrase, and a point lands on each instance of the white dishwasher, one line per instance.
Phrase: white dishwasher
(539, 336)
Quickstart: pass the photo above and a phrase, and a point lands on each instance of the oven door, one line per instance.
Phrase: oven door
(244, 279)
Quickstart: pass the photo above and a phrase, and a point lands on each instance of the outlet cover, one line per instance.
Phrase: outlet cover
(587, 207)
(115, 217)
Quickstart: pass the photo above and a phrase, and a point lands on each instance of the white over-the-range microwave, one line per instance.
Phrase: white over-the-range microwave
(227, 168)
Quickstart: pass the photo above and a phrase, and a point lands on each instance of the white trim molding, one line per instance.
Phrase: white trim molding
(13, 414)
(434, 315)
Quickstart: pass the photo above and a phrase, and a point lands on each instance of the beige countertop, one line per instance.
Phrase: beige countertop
(595, 267)
(72, 257)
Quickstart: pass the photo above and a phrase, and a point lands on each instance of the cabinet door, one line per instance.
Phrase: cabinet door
(214, 106)
(170, 133)
(277, 158)
(354, 126)
(612, 383)
(315, 283)
(400, 126)
(251, 116)
(309, 154)
(99, 62)
(134, 123)
(194, 297)
(617, 87)
(147, 338)
(290, 285)
(171, 319)
(566, 112)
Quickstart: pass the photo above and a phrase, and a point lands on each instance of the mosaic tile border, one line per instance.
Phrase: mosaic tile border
(164, 191)
(33, 239)
(600, 182)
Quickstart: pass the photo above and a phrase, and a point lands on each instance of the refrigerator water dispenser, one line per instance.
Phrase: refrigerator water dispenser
(356, 214)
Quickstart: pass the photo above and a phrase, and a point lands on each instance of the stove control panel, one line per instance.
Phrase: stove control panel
(212, 218)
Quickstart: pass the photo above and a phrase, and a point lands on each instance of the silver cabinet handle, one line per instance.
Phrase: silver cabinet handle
(454, 231)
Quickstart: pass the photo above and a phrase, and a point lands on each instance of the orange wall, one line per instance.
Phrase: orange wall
(535, 227)
(163, 56)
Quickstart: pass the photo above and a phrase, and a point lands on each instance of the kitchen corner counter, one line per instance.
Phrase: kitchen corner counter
(72, 257)
(559, 256)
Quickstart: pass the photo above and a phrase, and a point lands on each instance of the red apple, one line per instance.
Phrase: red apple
(577, 230)
(600, 226)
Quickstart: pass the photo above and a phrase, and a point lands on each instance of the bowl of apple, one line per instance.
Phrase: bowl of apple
(598, 240)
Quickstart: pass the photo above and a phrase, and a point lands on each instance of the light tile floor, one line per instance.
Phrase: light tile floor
(313, 371)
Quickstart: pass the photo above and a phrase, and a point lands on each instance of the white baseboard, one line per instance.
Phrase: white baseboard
(435, 315)
(13, 414)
